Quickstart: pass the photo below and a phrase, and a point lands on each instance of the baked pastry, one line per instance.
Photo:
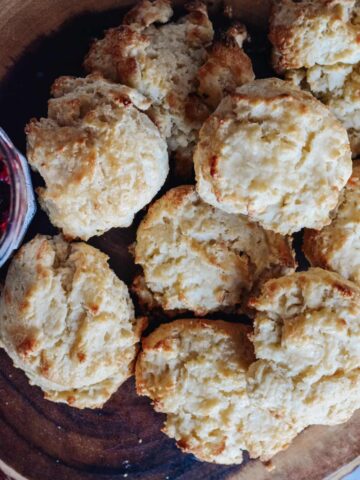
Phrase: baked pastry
(101, 157)
(195, 372)
(314, 32)
(338, 87)
(316, 44)
(274, 153)
(199, 258)
(220, 400)
(307, 340)
(336, 247)
(161, 62)
(227, 66)
(68, 322)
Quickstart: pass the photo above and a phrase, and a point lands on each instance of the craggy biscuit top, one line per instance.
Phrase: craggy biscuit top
(195, 371)
(312, 32)
(68, 321)
(161, 62)
(102, 159)
(221, 399)
(171, 66)
(337, 246)
(199, 258)
(274, 153)
(317, 46)
(307, 340)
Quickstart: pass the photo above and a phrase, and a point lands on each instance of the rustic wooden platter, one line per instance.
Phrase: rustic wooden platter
(40, 440)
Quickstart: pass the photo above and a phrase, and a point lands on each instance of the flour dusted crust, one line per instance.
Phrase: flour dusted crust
(162, 63)
(274, 153)
(336, 247)
(68, 321)
(199, 258)
(221, 399)
(315, 32)
(307, 340)
(338, 87)
(227, 67)
(102, 159)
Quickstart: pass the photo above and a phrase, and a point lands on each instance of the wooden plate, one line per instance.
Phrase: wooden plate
(40, 440)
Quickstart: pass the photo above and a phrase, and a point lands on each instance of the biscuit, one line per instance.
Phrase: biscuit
(316, 44)
(199, 258)
(220, 399)
(227, 67)
(336, 247)
(307, 339)
(102, 159)
(314, 32)
(68, 322)
(195, 371)
(338, 87)
(161, 62)
(274, 153)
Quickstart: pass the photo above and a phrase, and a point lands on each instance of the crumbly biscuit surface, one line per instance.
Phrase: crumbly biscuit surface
(162, 63)
(221, 399)
(317, 45)
(68, 321)
(102, 159)
(274, 153)
(315, 32)
(306, 337)
(199, 258)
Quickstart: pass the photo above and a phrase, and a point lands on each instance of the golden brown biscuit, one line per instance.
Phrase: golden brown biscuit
(274, 153)
(68, 321)
(307, 340)
(161, 62)
(314, 32)
(317, 46)
(199, 258)
(220, 400)
(102, 159)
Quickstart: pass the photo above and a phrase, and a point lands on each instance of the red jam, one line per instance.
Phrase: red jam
(4, 196)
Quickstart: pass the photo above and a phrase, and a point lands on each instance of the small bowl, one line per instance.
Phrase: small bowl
(17, 200)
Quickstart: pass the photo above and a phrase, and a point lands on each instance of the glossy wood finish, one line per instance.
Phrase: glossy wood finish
(40, 440)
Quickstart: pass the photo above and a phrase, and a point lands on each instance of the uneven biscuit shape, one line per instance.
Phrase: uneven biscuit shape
(199, 258)
(312, 32)
(68, 322)
(338, 87)
(337, 246)
(307, 340)
(274, 153)
(195, 371)
(102, 159)
(162, 63)
(220, 399)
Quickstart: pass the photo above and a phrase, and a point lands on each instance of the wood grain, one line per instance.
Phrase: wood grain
(40, 440)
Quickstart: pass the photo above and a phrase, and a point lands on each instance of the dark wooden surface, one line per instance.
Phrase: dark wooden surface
(46, 441)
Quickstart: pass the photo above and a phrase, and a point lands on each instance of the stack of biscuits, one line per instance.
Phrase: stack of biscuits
(271, 157)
